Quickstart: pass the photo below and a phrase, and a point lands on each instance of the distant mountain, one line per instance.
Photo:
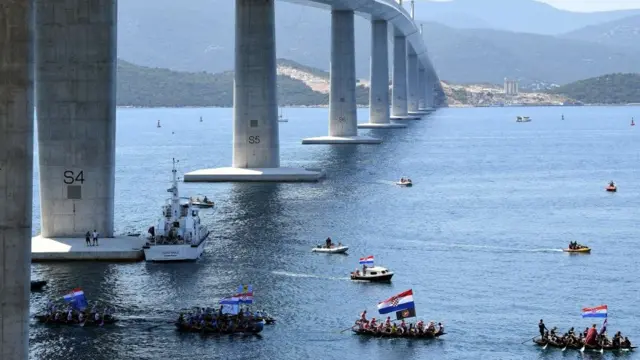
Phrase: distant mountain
(198, 35)
(624, 33)
(483, 55)
(141, 86)
(512, 15)
(606, 89)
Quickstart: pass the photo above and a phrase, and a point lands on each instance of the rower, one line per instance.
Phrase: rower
(363, 317)
(440, 328)
(80, 317)
(373, 323)
(626, 343)
(403, 326)
(542, 327)
(388, 321)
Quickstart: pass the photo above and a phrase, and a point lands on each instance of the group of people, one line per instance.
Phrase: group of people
(70, 315)
(387, 326)
(91, 238)
(405, 180)
(589, 337)
(575, 246)
(329, 243)
(211, 320)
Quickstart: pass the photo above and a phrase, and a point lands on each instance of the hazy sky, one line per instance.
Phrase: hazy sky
(593, 5)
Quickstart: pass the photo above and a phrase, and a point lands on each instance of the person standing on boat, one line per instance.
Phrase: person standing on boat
(363, 317)
(328, 241)
(590, 339)
(542, 327)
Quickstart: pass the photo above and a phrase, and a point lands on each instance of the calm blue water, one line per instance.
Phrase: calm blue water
(477, 238)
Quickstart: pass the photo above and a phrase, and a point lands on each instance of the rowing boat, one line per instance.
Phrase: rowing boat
(388, 334)
(552, 344)
(108, 320)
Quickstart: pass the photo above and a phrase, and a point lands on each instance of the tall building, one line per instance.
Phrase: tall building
(510, 87)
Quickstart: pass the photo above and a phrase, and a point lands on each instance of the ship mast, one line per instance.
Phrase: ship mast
(175, 199)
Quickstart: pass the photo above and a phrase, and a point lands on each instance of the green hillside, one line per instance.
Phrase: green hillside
(155, 87)
(607, 89)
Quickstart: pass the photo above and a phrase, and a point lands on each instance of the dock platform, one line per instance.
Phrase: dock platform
(116, 249)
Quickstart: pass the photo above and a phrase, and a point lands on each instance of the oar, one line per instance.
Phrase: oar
(529, 339)
(565, 347)
(583, 347)
(545, 346)
(349, 328)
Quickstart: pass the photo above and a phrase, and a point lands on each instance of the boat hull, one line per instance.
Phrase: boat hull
(578, 251)
(396, 335)
(404, 184)
(375, 278)
(45, 320)
(168, 253)
(611, 189)
(336, 250)
(579, 347)
(254, 328)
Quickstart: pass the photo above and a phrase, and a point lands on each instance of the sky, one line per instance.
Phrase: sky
(587, 5)
(593, 5)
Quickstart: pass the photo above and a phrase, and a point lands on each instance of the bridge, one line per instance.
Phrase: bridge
(72, 44)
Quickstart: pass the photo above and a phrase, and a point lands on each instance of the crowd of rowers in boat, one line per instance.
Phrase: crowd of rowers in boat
(69, 315)
(364, 325)
(589, 337)
(208, 317)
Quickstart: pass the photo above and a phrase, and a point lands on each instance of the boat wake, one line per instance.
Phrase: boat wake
(290, 274)
(489, 248)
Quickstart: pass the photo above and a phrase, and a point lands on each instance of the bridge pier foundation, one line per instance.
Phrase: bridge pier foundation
(16, 175)
(256, 147)
(343, 120)
(412, 80)
(379, 117)
(429, 89)
(76, 102)
(399, 106)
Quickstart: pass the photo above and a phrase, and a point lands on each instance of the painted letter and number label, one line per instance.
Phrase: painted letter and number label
(70, 177)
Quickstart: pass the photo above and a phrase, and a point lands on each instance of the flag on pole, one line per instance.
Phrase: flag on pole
(407, 313)
(230, 305)
(245, 294)
(595, 312)
(402, 301)
(366, 260)
(76, 299)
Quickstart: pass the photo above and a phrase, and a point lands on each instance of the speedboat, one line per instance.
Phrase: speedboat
(178, 236)
(373, 274)
(523, 119)
(611, 187)
(333, 249)
(580, 250)
(404, 182)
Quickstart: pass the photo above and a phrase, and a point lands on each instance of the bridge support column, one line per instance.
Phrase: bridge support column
(16, 175)
(76, 102)
(429, 89)
(343, 121)
(412, 77)
(421, 88)
(256, 146)
(399, 106)
(379, 117)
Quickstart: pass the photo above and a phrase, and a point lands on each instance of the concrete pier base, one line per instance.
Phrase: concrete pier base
(399, 106)
(407, 117)
(16, 174)
(331, 140)
(389, 125)
(256, 143)
(230, 174)
(116, 249)
(76, 101)
(343, 118)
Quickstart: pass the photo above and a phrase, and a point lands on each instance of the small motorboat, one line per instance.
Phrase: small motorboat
(203, 203)
(333, 249)
(611, 187)
(523, 119)
(373, 274)
(404, 182)
(581, 250)
(37, 285)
